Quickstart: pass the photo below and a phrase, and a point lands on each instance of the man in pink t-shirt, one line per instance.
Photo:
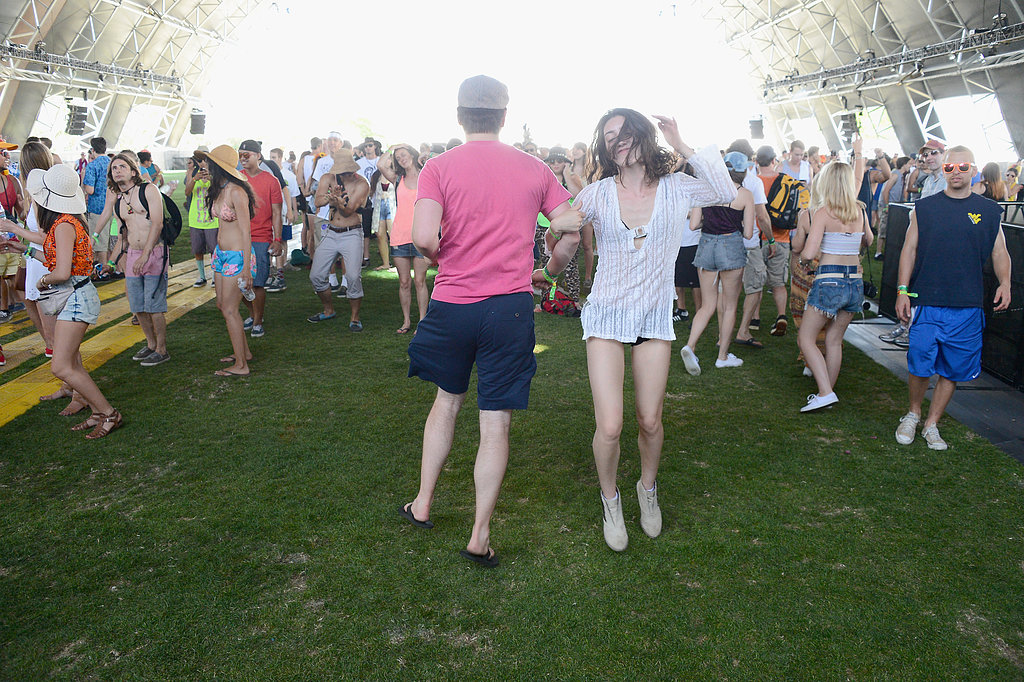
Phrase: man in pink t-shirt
(476, 214)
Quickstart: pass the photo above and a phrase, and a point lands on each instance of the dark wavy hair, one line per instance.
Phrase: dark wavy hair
(656, 160)
(218, 180)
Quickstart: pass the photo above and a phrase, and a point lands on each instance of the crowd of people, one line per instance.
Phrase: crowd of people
(503, 224)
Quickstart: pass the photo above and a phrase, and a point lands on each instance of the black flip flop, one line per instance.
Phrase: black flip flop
(753, 343)
(406, 513)
(489, 560)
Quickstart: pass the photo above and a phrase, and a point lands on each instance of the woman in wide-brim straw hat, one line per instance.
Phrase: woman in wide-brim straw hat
(231, 201)
(67, 251)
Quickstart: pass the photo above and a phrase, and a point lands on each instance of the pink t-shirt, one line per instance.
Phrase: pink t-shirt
(490, 194)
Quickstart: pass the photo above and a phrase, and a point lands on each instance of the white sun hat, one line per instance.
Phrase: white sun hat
(57, 189)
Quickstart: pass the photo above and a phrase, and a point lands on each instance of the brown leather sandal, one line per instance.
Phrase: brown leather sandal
(90, 423)
(109, 423)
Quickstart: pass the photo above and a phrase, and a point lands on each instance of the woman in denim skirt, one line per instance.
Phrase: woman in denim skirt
(719, 260)
(839, 230)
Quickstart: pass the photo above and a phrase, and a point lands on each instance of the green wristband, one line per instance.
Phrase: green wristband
(556, 236)
(548, 276)
(771, 240)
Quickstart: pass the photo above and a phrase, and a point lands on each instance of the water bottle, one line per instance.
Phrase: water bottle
(247, 292)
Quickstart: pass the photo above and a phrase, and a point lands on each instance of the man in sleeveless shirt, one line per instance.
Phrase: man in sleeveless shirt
(951, 236)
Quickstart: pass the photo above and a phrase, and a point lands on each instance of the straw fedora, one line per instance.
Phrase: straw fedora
(226, 157)
(343, 163)
(57, 189)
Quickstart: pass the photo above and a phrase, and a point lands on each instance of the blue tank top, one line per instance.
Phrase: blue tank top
(721, 220)
(954, 240)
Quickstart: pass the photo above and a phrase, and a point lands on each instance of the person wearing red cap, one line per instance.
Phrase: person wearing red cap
(931, 153)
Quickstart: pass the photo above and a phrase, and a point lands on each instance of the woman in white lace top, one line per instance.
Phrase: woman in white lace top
(638, 208)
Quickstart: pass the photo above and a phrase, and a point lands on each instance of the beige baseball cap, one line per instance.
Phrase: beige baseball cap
(483, 92)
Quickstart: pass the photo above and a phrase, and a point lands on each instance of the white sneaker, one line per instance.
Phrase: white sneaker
(816, 402)
(730, 361)
(907, 429)
(932, 437)
(650, 512)
(690, 361)
(614, 527)
(808, 372)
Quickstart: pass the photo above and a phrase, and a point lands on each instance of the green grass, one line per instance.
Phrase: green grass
(247, 528)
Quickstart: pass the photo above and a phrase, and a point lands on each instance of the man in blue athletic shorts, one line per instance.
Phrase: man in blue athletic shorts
(950, 237)
(484, 197)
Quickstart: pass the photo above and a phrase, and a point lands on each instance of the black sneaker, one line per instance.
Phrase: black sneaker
(879, 256)
(755, 324)
(336, 287)
(680, 315)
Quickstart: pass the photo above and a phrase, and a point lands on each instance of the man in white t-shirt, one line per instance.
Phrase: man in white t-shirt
(367, 167)
(755, 274)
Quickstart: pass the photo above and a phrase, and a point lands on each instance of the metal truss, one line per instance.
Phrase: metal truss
(893, 64)
(122, 53)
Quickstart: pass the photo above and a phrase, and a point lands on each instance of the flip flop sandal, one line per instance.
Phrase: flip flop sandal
(406, 513)
(488, 560)
(753, 343)
(402, 330)
(228, 373)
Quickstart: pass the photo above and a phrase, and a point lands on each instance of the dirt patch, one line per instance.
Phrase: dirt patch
(69, 650)
(297, 583)
(977, 627)
(838, 511)
(479, 643)
(297, 558)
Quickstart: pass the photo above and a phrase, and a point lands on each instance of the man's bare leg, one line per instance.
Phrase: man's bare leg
(918, 387)
(146, 323)
(751, 304)
(489, 472)
(941, 396)
(438, 433)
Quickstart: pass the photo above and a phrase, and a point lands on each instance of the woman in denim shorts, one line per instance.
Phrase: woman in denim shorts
(720, 259)
(59, 205)
(839, 230)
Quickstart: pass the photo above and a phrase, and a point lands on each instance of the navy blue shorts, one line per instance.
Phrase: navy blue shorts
(496, 334)
(946, 341)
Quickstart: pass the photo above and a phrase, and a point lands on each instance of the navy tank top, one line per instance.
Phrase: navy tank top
(954, 240)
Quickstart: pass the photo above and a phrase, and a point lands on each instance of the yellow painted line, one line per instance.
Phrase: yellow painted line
(21, 394)
(106, 292)
(28, 346)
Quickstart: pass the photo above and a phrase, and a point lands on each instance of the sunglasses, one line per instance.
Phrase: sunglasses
(242, 156)
(962, 167)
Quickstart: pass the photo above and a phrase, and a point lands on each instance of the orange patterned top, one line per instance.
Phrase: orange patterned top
(81, 259)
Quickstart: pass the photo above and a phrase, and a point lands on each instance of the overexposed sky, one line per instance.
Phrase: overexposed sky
(304, 67)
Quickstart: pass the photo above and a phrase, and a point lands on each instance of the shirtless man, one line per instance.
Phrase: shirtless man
(343, 236)
(145, 283)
